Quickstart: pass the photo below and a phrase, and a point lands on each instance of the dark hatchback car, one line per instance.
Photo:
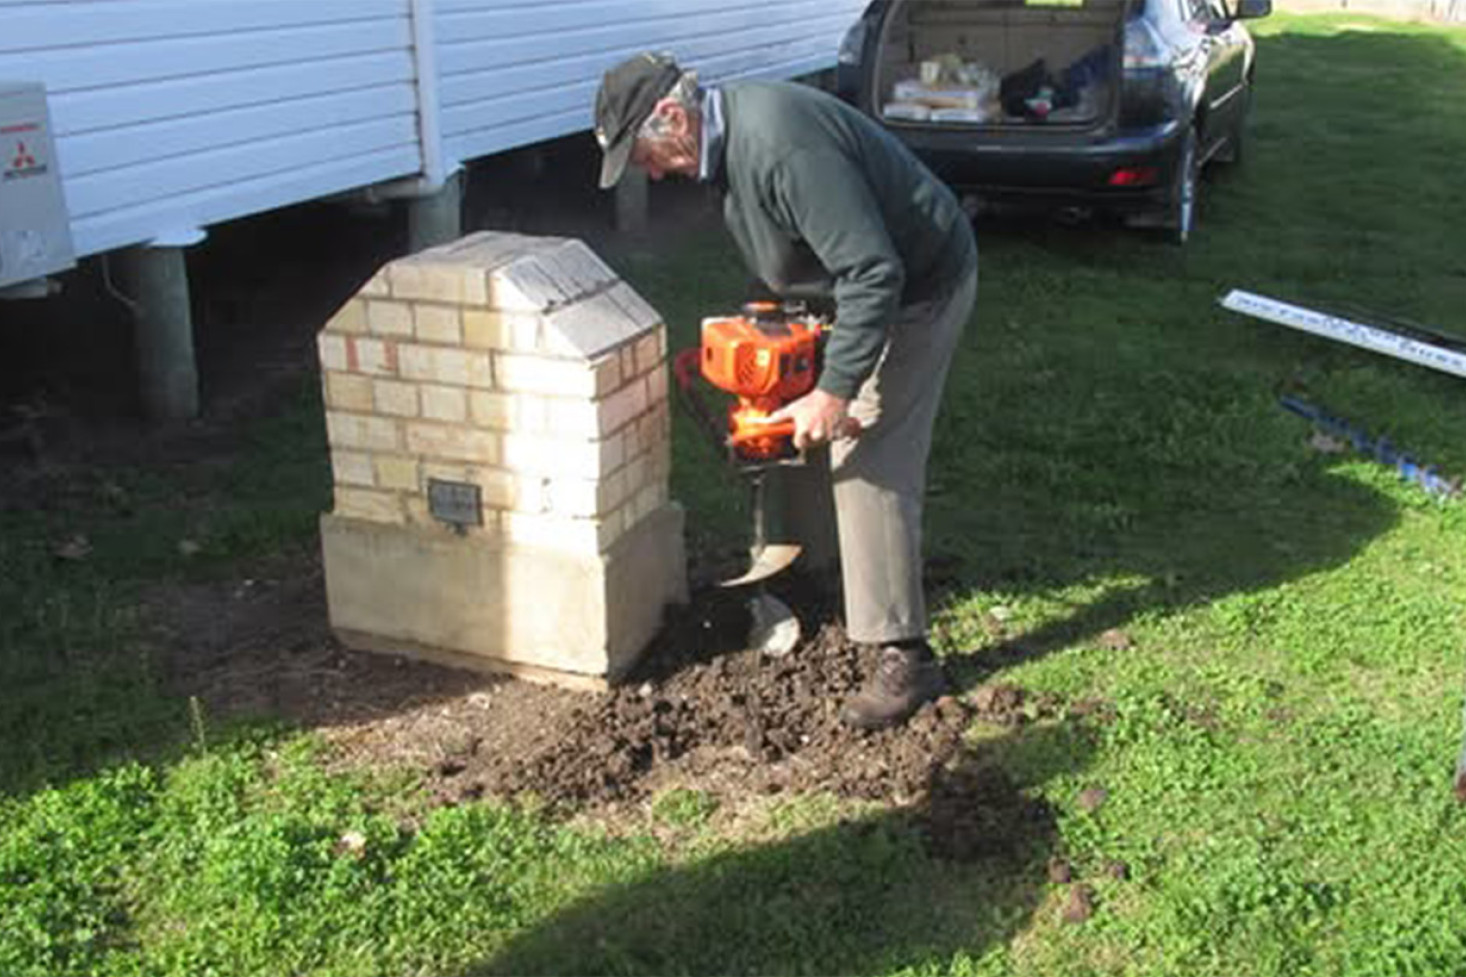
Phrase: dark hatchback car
(1113, 105)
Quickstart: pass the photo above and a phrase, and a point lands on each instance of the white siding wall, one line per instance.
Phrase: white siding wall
(176, 114)
(513, 72)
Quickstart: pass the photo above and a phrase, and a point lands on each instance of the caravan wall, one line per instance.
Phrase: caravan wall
(170, 115)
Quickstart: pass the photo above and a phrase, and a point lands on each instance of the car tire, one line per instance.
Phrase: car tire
(1185, 190)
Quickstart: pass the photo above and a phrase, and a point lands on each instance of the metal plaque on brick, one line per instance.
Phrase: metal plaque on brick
(458, 504)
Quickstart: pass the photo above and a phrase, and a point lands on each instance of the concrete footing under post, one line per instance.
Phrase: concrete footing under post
(438, 218)
(157, 281)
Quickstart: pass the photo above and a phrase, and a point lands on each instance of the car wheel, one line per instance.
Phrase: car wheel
(1185, 188)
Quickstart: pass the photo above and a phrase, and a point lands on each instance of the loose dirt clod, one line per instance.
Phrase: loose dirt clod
(1003, 704)
(1080, 905)
(1092, 798)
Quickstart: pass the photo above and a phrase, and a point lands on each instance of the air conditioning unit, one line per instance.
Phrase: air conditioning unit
(35, 230)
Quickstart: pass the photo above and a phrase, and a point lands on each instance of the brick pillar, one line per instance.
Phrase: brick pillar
(497, 410)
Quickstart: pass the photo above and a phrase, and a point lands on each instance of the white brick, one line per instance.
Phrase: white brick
(635, 436)
(638, 474)
(531, 414)
(644, 503)
(488, 409)
(623, 405)
(452, 442)
(437, 364)
(657, 384)
(612, 491)
(444, 403)
(611, 527)
(427, 279)
(572, 418)
(485, 329)
(349, 392)
(397, 472)
(571, 497)
(351, 317)
(369, 504)
(647, 358)
(333, 351)
(376, 286)
(613, 453)
(525, 454)
(524, 333)
(608, 374)
(438, 324)
(372, 357)
(536, 374)
(352, 468)
(395, 398)
(385, 318)
(532, 494)
(358, 431)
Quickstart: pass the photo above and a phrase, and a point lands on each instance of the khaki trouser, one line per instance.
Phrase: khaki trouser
(879, 478)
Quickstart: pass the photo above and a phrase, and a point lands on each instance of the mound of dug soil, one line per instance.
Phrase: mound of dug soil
(771, 724)
(738, 723)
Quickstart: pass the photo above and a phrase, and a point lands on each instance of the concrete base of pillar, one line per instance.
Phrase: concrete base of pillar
(473, 602)
(156, 279)
(436, 219)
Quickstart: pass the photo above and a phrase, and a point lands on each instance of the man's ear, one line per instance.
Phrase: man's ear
(675, 115)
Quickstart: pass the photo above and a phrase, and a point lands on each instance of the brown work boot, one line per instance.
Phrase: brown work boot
(906, 676)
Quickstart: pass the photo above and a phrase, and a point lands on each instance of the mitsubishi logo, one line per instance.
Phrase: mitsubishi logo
(23, 163)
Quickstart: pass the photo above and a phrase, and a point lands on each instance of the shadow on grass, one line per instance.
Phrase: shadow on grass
(962, 872)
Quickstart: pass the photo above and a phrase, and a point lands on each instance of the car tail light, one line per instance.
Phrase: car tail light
(1134, 176)
(1143, 49)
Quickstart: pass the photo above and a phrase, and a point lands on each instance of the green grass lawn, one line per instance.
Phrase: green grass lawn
(1286, 710)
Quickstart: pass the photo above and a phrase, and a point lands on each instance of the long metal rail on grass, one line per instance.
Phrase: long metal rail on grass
(1347, 331)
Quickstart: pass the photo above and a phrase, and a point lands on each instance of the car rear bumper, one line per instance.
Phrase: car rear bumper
(1051, 167)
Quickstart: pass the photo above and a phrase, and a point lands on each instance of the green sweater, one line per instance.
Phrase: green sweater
(820, 199)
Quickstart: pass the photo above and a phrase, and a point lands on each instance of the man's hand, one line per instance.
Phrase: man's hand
(818, 417)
